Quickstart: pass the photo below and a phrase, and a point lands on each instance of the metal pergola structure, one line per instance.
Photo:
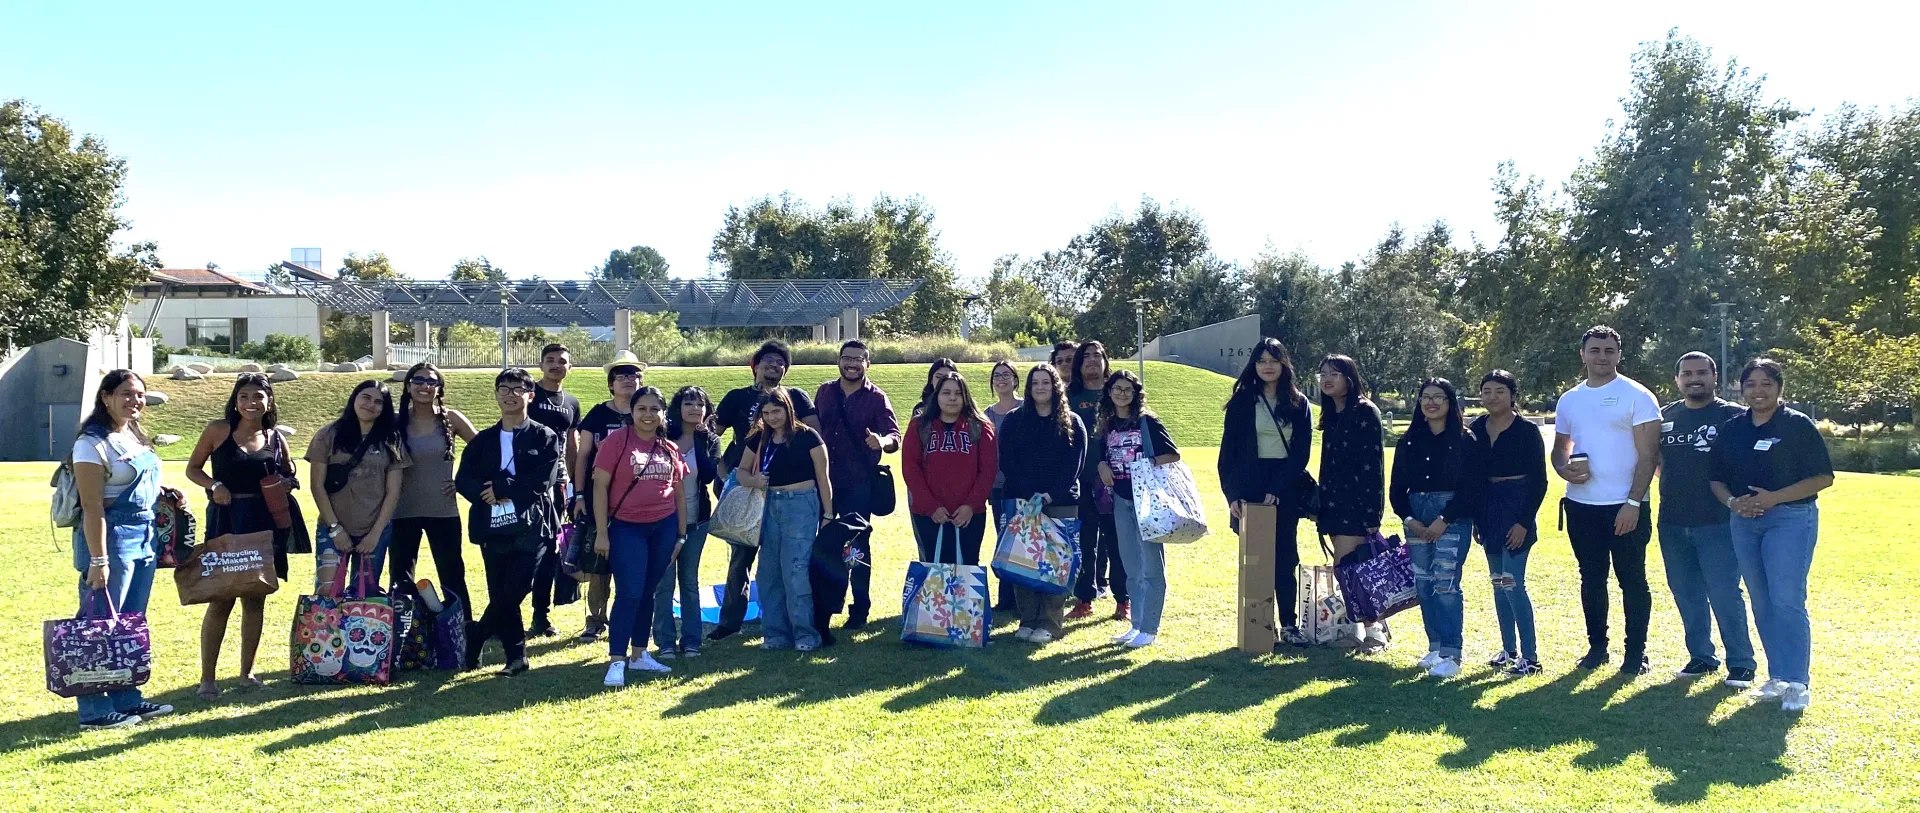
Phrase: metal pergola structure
(596, 303)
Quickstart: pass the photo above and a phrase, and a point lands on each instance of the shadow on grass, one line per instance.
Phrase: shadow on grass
(1357, 701)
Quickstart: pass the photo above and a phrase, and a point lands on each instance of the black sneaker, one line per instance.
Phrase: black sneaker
(1698, 668)
(1739, 678)
(1503, 660)
(1294, 636)
(541, 628)
(855, 620)
(721, 633)
(148, 711)
(112, 719)
(1521, 667)
(1594, 659)
(591, 634)
(1636, 666)
(517, 666)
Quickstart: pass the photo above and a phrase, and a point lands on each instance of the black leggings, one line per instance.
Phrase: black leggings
(443, 539)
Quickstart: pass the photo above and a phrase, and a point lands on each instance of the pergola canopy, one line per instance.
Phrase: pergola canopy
(593, 303)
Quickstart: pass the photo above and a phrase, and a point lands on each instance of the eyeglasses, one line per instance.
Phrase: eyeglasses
(626, 376)
(424, 381)
(511, 391)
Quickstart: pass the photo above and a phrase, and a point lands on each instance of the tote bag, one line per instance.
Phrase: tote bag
(945, 605)
(1323, 610)
(1165, 498)
(343, 639)
(93, 653)
(1377, 579)
(1036, 551)
(739, 515)
(228, 566)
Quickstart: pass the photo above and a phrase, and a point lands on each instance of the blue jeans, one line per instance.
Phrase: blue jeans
(1775, 551)
(1705, 579)
(687, 568)
(638, 554)
(1511, 604)
(786, 545)
(1145, 563)
(354, 562)
(130, 583)
(1436, 574)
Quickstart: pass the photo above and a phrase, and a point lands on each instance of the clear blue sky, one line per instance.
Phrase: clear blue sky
(543, 137)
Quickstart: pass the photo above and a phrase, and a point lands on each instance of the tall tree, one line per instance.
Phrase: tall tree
(60, 274)
(1880, 155)
(372, 268)
(640, 263)
(1295, 300)
(480, 270)
(1122, 259)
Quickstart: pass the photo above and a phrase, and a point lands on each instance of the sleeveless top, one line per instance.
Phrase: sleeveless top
(423, 486)
(241, 471)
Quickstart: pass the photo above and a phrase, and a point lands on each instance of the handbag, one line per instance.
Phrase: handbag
(412, 627)
(228, 566)
(91, 654)
(1377, 579)
(344, 639)
(1036, 551)
(739, 515)
(1323, 610)
(174, 528)
(945, 605)
(1166, 501)
(339, 473)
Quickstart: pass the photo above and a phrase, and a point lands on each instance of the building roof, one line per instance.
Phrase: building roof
(311, 275)
(197, 277)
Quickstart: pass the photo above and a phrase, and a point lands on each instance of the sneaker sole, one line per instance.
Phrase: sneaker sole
(1739, 684)
(127, 723)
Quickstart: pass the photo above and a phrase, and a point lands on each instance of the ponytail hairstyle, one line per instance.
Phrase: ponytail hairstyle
(439, 406)
(100, 417)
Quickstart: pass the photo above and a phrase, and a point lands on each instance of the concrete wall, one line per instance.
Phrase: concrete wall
(44, 391)
(293, 315)
(1221, 347)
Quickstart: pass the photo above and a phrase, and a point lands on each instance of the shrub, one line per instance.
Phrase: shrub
(281, 348)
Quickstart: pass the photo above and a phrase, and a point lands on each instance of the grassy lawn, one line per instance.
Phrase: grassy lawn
(1186, 724)
(1187, 399)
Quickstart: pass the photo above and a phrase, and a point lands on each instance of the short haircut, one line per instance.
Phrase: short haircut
(1693, 355)
(1766, 365)
(555, 347)
(1504, 378)
(1066, 346)
(513, 375)
(854, 344)
(774, 347)
(1601, 332)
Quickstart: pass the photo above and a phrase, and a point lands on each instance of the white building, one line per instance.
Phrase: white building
(201, 307)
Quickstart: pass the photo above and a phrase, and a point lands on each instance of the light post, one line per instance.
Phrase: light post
(1140, 335)
(966, 316)
(1723, 307)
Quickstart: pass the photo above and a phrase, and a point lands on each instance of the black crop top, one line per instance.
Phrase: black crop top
(785, 463)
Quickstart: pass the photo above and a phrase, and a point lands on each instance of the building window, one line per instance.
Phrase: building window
(218, 335)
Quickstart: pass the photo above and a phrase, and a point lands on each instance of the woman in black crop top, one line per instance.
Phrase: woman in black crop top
(788, 459)
(1511, 459)
(244, 448)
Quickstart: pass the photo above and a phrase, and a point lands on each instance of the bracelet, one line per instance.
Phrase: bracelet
(97, 561)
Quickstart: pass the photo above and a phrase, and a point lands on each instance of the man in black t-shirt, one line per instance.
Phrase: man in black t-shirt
(1695, 541)
(556, 409)
(736, 414)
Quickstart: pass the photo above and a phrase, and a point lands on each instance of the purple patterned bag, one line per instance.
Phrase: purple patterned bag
(449, 636)
(1377, 579)
(91, 654)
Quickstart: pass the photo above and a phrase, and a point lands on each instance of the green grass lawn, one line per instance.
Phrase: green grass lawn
(1187, 399)
(1189, 723)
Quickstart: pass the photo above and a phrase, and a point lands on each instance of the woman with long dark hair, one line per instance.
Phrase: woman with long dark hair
(949, 461)
(1128, 431)
(1101, 572)
(1005, 381)
(1263, 461)
(249, 457)
(690, 426)
(1512, 460)
(1352, 480)
(1435, 490)
(1042, 450)
(789, 460)
(359, 462)
(114, 548)
(426, 506)
(934, 371)
(640, 491)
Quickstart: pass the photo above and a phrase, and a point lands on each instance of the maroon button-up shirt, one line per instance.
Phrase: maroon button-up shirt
(844, 423)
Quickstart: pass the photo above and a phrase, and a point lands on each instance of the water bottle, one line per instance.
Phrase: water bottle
(327, 566)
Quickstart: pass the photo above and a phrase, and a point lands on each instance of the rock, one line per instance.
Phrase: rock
(165, 440)
(285, 429)
(348, 367)
(274, 368)
(201, 367)
(283, 374)
(185, 374)
(398, 376)
(251, 367)
(156, 398)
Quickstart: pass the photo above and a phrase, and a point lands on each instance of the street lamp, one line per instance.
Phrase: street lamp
(1140, 335)
(1723, 307)
(966, 321)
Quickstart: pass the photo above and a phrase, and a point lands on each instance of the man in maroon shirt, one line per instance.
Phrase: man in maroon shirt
(856, 419)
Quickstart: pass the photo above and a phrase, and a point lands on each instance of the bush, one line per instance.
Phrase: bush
(1874, 455)
(706, 350)
(281, 348)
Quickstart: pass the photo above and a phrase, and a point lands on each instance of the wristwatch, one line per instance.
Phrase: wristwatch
(1633, 502)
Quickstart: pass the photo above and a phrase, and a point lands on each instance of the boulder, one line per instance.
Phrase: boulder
(165, 440)
(277, 367)
(201, 367)
(185, 374)
(348, 367)
(283, 374)
(252, 367)
(399, 376)
(156, 398)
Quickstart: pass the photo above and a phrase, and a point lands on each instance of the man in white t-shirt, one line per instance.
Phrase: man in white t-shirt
(1606, 445)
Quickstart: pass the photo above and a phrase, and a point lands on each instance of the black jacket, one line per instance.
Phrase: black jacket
(706, 453)
(1241, 476)
(536, 461)
(1038, 460)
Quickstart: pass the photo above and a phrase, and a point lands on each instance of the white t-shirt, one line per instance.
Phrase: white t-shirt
(506, 451)
(1601, 420)
(122, 446)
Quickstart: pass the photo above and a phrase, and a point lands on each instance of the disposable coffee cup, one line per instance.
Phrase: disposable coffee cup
(1578, 462)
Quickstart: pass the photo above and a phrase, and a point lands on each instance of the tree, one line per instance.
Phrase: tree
(60, 274)
(481, 270)
(1392, 325)
(1121, 259)
(638, 263)
(373, 268)
(1295, 300)
(1018, 309)
(1205, 291)
(1880, 156)
(347, 336)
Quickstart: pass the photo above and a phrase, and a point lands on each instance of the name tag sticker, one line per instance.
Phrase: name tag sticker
(1611, 400)
(1666, 426)
(1763, 445)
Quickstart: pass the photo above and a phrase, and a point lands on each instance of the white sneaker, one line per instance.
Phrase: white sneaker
(1023, 634)
(1428, 662)
(1143, 639)
(1125, 636)
(1445, 668)
(616, 675)
(1771, 690)
(1040, 637)
(646, 663)
(1796, 698)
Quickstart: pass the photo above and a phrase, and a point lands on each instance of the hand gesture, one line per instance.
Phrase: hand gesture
(940, 516)
(873, 441)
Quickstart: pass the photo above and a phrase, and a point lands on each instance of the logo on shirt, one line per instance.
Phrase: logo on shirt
(950, 440)
(1699, 438)
(1611, 400)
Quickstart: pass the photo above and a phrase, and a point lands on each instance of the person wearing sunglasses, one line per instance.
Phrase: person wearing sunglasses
(427, 506)
(507, 475)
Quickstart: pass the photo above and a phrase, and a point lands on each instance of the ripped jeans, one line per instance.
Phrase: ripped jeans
(1506, 505)
(1436, 573)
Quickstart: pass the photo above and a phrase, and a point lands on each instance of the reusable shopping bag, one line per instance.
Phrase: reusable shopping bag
(228, 566)
(1165, 499)
(739, 515)
(1323, 610)
(945, 605)
(95, 652)
(1035, 551)
(1377, 579)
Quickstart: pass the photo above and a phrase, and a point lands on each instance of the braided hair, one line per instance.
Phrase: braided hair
(439, 407)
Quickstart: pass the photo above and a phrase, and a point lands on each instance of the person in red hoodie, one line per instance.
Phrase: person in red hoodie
(950, 460)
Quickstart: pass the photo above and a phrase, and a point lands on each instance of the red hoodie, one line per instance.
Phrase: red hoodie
(950, 468)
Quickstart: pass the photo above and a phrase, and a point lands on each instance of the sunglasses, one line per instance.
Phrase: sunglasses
(424, 381)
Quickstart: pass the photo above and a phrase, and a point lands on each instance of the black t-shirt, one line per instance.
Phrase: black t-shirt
(1125, 441)
(1687, 438)
(601, 422)
(785, 463)
(559, 411)
(1783, 451)
(740, 407)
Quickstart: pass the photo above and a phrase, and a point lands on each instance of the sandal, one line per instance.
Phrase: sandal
(209, 691)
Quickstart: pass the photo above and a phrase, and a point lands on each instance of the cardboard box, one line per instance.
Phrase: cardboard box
(1258, 630)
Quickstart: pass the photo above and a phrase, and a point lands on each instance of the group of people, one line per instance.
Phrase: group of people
(639, 475)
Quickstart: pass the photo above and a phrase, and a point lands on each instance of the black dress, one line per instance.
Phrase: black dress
(241, 472)
(1352, 477)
